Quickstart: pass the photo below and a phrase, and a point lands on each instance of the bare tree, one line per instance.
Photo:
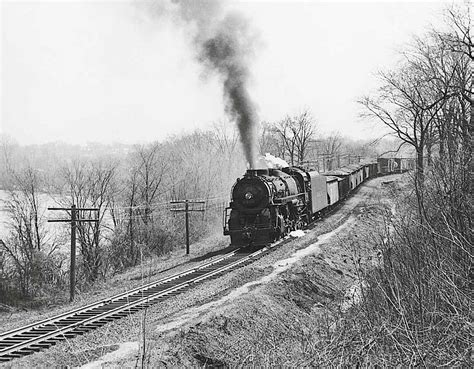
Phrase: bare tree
(269, 140)
(151, 167)
(304, 134)
(295, 135)
(28, 236)
(226, 137)
(460, 41)
(89, 184)
(330, 147)
(459, 36)
(144, 180)
(131, 201)
(408, 103)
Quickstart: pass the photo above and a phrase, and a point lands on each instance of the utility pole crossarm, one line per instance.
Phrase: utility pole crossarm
(187, 201)
(69, 209)
(69, 220)
(181, 210)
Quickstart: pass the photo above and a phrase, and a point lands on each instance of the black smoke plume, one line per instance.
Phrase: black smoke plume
(224, 45)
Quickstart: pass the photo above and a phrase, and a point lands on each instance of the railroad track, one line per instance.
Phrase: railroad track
(41, 335)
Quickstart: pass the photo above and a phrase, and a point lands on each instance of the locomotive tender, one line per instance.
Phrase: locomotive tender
(267, 204)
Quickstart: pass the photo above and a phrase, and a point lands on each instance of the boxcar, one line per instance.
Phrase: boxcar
(360, 171)
(319, 195)
(332, 189)
(373, 169)
(383, 165)
(344, 183)
(356, 174)
(353, 178)
(396, 165)
(366, 171)
(407, 164)
(410, 163)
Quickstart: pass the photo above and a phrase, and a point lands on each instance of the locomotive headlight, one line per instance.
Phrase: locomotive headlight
(248, 196)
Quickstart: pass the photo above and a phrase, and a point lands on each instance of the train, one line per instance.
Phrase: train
(267, 204)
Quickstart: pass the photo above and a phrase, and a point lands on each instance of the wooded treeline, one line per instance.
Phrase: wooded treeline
(426, 101)
(131, 189)
(296, 139)
(417, 303)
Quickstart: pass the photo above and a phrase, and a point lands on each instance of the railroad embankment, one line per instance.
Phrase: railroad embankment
(304, 304)
(280, 306)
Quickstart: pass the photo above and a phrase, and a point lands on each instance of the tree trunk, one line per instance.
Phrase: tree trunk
(419, 180)
(468, 136)
(429, 145)
(442, 148)
(419, 165)
(429, 156)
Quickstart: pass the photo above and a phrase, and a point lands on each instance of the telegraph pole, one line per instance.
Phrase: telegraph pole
(72, 270)
(74, 220)
(186, 210)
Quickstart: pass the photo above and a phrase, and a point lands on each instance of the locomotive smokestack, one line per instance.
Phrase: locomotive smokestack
(256, 172)
(224, 45)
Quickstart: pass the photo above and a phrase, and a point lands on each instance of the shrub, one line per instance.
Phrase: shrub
(420, 296)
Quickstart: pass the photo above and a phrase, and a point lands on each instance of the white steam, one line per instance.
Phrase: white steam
(272, 162)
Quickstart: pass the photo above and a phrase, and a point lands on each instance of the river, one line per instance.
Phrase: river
(56, 230)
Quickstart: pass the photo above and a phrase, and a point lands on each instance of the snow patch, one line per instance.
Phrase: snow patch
(125, 350)
(278, 268)
(297, 234)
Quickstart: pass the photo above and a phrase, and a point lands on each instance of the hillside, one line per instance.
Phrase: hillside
(289, 295)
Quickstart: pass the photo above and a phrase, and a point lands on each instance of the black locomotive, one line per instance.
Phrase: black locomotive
(268, 203)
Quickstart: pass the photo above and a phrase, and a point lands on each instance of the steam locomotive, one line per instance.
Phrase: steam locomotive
(267, 204)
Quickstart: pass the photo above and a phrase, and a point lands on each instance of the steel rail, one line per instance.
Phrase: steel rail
(34, 337)
(110, 299)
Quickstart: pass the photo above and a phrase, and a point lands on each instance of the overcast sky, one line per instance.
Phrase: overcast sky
(104, 71)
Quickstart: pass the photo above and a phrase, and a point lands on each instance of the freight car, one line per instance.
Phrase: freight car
(267, 204)
(395, 165)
